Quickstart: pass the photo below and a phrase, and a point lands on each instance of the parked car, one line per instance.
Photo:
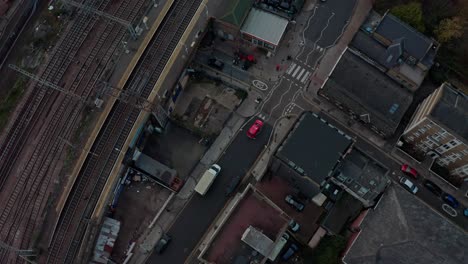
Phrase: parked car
(433, 188)
(293, 226)
(162, 243)
(465, 212)
(215, 63)
(294, 203)
(255, 129)
(450, 200)
(408, 185)
(290, 252)
(406, 169)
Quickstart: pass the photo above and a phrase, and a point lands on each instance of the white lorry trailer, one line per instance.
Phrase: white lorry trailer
(207, 179)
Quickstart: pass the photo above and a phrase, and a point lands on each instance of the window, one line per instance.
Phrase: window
(416, 134)
(436, 137)
(444, 134)
(410, 138)
(428, 125)
(422, 130)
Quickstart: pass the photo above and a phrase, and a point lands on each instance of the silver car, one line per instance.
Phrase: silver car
(409, 185)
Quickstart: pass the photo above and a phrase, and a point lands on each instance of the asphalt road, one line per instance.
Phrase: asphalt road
(394, 166)
(199, 213)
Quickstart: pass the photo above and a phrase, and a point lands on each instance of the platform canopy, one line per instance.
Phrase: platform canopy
(265, 26)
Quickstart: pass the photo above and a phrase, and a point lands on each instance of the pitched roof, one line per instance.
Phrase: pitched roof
(367, 91)
(238, 11)
(392, 28)
(452, 110)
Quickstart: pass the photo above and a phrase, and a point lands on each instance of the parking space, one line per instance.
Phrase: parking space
(276, 189)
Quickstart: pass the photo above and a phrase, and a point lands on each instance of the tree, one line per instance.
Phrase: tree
(329, 250)
(410, 13)
(449, 29)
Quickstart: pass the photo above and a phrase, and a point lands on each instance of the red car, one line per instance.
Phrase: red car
(255, 129)
(405, 168)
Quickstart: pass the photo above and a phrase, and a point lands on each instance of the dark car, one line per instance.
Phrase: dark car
(433, 188)
(294, 203)
(290, 252)
(215, 63)
(162, 243)
(450, 200)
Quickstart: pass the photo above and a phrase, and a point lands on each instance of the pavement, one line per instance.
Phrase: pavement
(200, 211)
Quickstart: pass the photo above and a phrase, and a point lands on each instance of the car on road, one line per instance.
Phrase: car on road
(406, 169)
(215, 63)
(450, 200)
(255, 129)
(293, 226)
(162, 243)
(433, 188)
(293, 248)
(409, 185)
(294, 203)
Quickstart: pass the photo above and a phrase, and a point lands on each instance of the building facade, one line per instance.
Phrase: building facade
(439, 129)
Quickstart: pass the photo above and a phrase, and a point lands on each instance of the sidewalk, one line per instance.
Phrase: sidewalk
(176, 203)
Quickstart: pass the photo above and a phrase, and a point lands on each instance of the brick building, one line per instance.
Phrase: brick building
(439, 129)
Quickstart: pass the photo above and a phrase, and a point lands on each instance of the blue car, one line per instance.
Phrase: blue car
(450, 200)
(290, 252)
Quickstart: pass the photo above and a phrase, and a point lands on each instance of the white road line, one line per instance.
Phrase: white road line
(300, 74)
(295, 72)
(291, 68)
(305, 77)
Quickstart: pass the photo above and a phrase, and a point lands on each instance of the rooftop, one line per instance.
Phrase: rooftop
(237, 11)
(313, 147)
(415, 43)
(154, 168)
(368, 92)
(402, 229)
(361, 176)
(343, 211)
(452, 109)
(386, 57)
(264, 25)
(227, 246)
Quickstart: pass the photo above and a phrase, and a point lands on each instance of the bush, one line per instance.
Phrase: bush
(410, 13)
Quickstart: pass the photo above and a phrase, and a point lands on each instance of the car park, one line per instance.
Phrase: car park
(293, 202)
(162, 243)
(292, 249)
(255, 129)
(293, 226)
(215, 63)
(433, 188)
(450, 200)
(408, 185)
(406, 169)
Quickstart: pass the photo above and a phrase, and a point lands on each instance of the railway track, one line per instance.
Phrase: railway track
(26, 201)
(96, 169)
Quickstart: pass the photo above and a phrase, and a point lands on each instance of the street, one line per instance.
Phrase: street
(200, 211)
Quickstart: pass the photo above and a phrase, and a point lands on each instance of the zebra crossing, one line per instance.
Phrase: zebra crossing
(298, 72)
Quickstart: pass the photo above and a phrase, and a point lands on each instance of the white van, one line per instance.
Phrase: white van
(207, 179)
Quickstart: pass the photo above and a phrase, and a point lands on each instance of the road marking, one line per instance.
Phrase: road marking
(291, 68)
(300, 74)
(295, 72)
(305, 77)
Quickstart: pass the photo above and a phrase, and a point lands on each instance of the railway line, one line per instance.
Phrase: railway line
(96, 169)
(26, 196)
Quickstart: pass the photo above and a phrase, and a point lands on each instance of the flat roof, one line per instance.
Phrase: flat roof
(346, 209)
(368, 92)
(154, 168)
(363, 176)
(264, 25)
(452, 109)
(403, 229)
(313, 147)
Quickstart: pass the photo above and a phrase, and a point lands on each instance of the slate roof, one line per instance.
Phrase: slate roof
(451, 110)
(367, 91)
(403, 229)
(238, 11)
(392, 28)
(313, 147)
